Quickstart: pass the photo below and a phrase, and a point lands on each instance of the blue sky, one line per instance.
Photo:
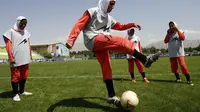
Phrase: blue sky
(52, 20)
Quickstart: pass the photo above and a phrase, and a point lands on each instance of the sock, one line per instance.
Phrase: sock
(132, 75)
(187, 77)
(110, 88)
(140, 56)
(143, 74)
(21, 86)
(15, 88)
(177, 76)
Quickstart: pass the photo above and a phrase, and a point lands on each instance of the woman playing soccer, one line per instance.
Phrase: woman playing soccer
(96, 24)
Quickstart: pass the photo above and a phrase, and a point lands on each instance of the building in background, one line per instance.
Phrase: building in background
(53, 49)
(40, 50)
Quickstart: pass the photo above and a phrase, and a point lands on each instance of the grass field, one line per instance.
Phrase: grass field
(77, 86)
(3, 50)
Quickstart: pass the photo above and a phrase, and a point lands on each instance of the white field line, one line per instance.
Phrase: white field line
(83, 76)
(88, 76)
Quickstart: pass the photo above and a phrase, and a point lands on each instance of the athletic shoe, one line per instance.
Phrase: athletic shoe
(152, 58)
(146, 80)
(16, 98)
(114, 100)
(26, 93)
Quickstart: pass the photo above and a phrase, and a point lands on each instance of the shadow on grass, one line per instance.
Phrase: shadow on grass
(163, 80)
(151, 80)
(7, 94)
(82, 102)
(121, 79)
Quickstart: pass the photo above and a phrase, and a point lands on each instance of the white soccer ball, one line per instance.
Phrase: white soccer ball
(129, 100)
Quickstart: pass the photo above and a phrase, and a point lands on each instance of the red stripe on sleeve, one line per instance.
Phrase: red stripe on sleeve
(119, 26)
(181, 35)
(30, 48)
(80, 24)
(9, 49)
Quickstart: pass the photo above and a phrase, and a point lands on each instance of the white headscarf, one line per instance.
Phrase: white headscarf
(16, 26)
(128, 32)
(175, 23)
(102, 9)
(177, 26)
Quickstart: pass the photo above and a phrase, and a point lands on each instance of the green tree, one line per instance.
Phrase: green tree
(163, 50)
(152, 50)
(145, 50)
(47, 55)
(190, 49)
(197, 48)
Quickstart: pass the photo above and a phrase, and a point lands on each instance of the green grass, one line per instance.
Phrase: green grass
(2, 50)
(4, 56)
(62, 87)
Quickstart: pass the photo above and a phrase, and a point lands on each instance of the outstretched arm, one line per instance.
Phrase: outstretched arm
(80, 24)
(119, 26)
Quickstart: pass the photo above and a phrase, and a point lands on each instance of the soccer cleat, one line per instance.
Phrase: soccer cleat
(146, 80)
(152, 58)
(178, 80)
(114, 100)
(16, 98)
(26, 93)
(190, 82)
(133, 80)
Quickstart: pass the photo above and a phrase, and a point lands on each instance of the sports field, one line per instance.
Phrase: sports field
(77, 86)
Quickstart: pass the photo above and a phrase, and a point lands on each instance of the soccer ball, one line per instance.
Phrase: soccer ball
(129, 100)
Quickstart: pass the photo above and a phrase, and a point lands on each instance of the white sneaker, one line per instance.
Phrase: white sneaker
(115, 100)
(16, 98)
(26, 93)
(190, 82)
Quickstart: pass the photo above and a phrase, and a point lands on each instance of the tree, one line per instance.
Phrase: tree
(46, 55)
(163, 50)
(72, 53)
(197, 48)
(186, 49)
(190, 49)
(153, 50)
(145, 50)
